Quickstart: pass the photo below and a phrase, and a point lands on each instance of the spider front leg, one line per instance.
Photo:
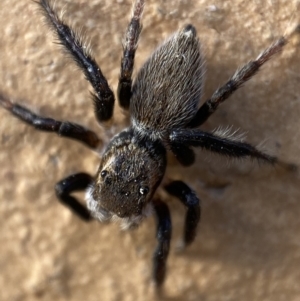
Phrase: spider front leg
(129, 47)
(65, 187)
(74, 45)
(236, 81)
(62, 128)
(163, 235)
(189, 199)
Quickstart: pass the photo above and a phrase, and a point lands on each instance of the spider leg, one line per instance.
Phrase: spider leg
(223, 146)
(236, 81)
(62, 128)
(184, 154)
(163, 235)
(189, 199)
(74, 45)
(65, 187)
(129, 47)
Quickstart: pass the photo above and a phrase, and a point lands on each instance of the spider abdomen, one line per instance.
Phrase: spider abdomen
(168, 87)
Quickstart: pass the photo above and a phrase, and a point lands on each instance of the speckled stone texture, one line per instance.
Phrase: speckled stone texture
(248, 247)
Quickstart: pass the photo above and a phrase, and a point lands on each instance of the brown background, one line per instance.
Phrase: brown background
(248, 247)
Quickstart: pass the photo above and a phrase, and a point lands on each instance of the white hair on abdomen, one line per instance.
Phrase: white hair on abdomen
(168, 87)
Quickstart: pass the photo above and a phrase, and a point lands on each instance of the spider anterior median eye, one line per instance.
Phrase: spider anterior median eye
(144, 190)
(104, 173)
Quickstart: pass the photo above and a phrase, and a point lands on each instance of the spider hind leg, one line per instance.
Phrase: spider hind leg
(236, 81)
(103, 96)
(129, 47)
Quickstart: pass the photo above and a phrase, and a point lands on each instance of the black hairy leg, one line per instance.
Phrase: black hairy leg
(189, 199)
(163, 235)
(220, 145)
(236, 81)
(75, 182)
(61, 128)
(103, 97)
(184, 154)
(129, 47)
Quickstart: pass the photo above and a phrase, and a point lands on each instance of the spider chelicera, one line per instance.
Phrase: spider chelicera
(163, 103)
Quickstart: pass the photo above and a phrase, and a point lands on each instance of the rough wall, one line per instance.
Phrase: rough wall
(248, 243)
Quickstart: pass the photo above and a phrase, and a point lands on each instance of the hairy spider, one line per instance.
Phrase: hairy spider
(163, 103)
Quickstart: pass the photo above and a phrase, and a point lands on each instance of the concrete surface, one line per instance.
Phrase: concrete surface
(248, 247)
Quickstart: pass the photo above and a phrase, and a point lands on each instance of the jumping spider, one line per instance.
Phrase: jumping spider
(163, 103)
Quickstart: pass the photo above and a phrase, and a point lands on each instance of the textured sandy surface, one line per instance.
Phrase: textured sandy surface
(248, 244)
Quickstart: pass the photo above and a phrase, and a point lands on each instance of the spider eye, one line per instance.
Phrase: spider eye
(103, 173)
(143, 190)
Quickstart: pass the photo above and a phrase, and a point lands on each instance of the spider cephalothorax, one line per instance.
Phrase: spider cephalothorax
(131, 169)
(163, 103)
